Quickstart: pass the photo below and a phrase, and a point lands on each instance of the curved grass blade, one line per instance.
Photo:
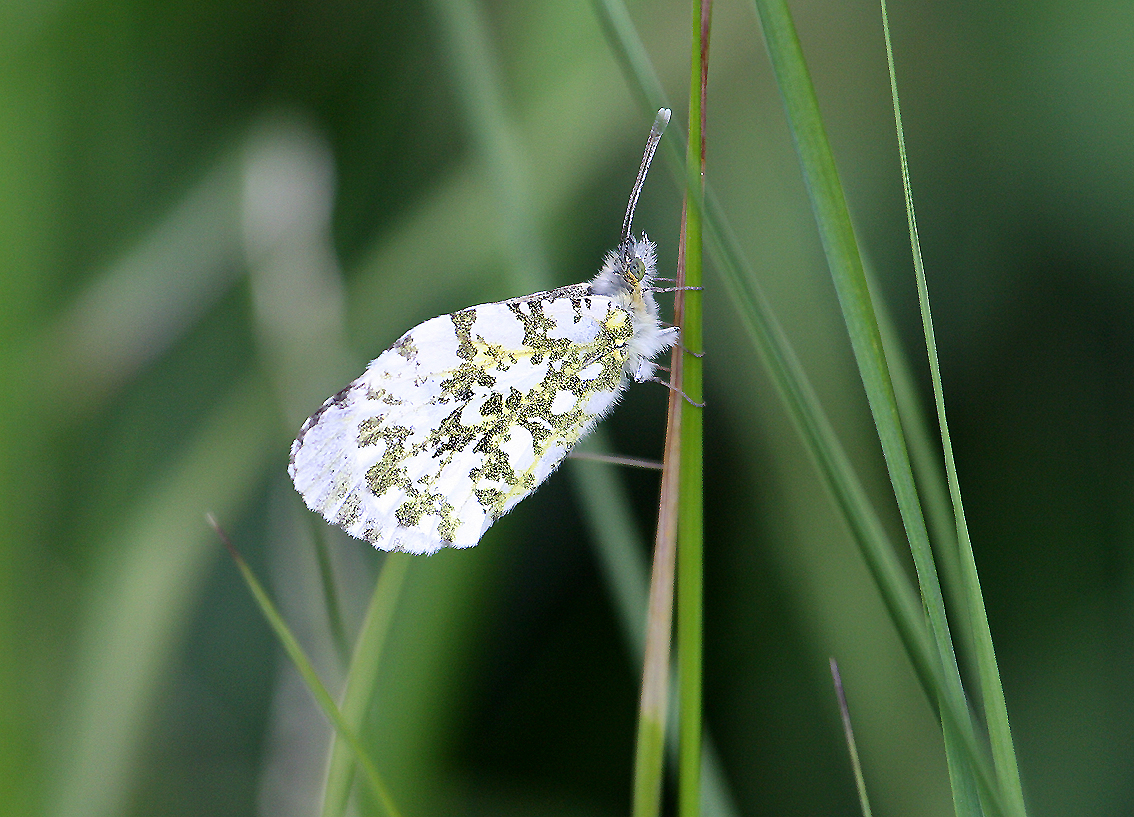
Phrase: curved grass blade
(992, 692)
(839, 243)
(310, 677)
(361, 679)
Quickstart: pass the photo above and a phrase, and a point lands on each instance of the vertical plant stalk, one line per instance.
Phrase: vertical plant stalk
(992, 692)
(653, 707)
(690, 530)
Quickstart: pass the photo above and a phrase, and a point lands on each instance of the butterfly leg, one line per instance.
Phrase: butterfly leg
(674, 388)
(687, 350)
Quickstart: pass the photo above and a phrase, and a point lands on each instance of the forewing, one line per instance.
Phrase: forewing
(463, 417)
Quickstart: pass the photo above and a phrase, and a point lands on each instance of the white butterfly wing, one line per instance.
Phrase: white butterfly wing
(462, 418)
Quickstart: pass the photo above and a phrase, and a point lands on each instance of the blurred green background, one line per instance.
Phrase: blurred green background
(212, 214)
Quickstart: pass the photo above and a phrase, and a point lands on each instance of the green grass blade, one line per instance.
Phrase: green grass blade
(852, 747)
(362, 677)
(992, 692)
(654, 705)
(649, 754)
(690, 514)
(840, 245)
(311, 679)
(925, 456)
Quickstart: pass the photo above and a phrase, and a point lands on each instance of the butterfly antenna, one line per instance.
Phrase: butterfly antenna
(660, 121)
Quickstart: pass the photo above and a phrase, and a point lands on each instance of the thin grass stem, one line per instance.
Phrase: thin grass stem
(690, 536)
(654, 707)
(310, 676)
(852, 747)
(653, 711)
(362, 678)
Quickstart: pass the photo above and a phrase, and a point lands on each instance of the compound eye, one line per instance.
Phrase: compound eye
(634, 271)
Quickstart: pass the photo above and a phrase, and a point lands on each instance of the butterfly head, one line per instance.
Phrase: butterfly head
(626, 276)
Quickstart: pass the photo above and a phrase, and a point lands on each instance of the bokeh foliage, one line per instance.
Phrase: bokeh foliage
(213, 213)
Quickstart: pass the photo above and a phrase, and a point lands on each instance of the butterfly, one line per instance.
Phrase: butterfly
(468, 413)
